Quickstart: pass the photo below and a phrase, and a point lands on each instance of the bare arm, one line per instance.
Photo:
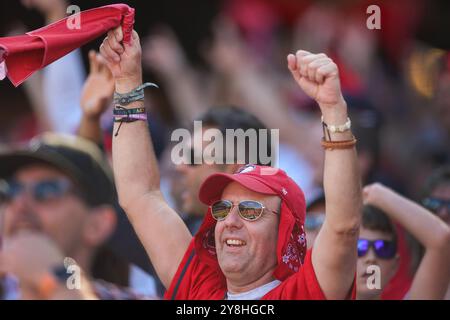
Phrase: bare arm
(334, 255)
(160, 229)
(432, 277)
(95, 98)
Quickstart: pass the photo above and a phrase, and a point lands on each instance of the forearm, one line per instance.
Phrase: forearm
(428, 229)
(91, 129)
(342, 185)
(134, 162)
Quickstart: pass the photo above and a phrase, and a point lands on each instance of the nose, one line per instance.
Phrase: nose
(233, 220)
(20, 202)
(370, 257)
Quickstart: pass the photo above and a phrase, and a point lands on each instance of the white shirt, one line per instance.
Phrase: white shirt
(254, 294)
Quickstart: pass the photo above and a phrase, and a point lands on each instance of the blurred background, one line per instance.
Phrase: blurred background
(396, 79)
(205, 53)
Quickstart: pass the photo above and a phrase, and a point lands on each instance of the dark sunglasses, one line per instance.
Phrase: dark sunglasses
(435, 204)
(42, 191)
(249, 210)
(384, 249)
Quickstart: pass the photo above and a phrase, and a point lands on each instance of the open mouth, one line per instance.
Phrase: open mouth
(235, 243)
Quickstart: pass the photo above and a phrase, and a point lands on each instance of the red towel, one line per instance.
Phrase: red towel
(25, 54)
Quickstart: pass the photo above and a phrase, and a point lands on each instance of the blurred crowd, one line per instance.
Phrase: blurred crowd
(230, 73)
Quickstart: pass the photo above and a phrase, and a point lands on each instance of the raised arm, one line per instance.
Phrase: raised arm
(96, 96)
(432, 277)
(160, 229)
(334, 255)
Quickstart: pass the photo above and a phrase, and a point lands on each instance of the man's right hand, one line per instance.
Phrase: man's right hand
(123, 59)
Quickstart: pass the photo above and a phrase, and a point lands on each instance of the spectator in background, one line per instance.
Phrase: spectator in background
(193, 175)
(377, 245)
(437, 197)
(437, 193)
(61, 186)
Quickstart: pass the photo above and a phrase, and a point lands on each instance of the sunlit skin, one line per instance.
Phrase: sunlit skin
(388, 267)
(251, 265)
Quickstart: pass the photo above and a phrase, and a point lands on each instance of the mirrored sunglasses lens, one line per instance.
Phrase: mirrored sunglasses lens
(250, 210)
(220, 209)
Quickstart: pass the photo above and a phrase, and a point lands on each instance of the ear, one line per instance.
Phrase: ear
(100, 224)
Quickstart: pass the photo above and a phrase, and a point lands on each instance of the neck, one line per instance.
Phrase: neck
(236, 286)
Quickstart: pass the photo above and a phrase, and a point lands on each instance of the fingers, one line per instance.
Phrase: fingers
(314, 67)
(292, 62)
(134, 35)
(102, 67)
(93, 64)
(292, 65)
(108, 53)
(134, 39)
(114, 43)
(118, 34)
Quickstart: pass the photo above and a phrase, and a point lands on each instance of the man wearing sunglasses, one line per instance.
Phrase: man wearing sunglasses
(60, 189)
(251, 244)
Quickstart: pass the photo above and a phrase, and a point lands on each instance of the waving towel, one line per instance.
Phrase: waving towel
(21, 56)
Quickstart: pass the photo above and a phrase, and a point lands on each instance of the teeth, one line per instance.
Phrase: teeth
(235, 242)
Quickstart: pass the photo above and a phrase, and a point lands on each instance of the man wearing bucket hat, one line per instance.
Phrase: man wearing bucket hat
(251, 244)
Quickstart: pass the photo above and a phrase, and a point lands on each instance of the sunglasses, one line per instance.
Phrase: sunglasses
(384, 249)
(249, 210)
(435, 204)
(42, 191)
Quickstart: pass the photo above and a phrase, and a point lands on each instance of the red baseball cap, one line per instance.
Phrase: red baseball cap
(261, 179)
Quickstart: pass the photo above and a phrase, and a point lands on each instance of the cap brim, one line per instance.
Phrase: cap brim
(13, 161)
(212, 188)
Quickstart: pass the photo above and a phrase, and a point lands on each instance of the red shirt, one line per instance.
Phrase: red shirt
(196, 280)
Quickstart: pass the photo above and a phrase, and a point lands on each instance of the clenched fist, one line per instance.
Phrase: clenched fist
(318, 77)
(123, 59)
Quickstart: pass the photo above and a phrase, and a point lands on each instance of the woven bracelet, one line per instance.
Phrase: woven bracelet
(345, 144)
(136, 94)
